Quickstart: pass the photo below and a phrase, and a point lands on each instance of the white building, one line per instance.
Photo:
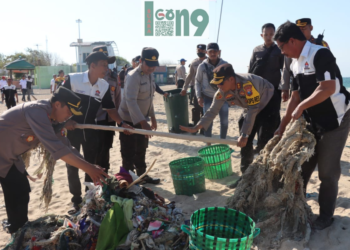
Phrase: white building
(83, 49)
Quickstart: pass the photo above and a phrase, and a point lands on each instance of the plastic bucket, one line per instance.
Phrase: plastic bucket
(220, 228)
(217, 161)
(188, 175)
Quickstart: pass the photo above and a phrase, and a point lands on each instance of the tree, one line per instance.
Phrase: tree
(121, 61)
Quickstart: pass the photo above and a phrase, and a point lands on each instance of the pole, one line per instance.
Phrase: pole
(222, 3)
(156, 133)
(79, 22)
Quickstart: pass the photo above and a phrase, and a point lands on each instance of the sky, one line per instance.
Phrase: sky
(27, 23)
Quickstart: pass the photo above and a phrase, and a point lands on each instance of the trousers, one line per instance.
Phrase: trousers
(105, 142)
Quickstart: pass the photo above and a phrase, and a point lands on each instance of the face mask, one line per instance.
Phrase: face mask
(200, 54)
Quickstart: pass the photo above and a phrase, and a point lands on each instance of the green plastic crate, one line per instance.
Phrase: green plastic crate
(220, 228)
(188, 175)
(217, 161)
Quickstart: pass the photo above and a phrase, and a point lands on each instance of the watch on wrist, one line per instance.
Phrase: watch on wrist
(121, 124)
(244, 135)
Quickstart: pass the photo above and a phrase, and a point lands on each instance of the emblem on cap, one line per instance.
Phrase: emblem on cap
(154, 58)
(30, 138)
(100, 50)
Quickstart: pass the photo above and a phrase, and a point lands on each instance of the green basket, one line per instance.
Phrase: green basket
(220, 228)
(188, 175)
(217, 161)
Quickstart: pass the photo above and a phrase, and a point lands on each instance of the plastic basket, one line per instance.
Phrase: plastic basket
(220, 228)
(188, 175)
(217, 161)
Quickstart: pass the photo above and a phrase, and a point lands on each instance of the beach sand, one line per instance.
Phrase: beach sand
(166, 150)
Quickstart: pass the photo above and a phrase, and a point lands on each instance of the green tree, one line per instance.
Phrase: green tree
(121, 61)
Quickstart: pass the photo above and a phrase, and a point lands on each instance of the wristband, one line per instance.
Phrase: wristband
(244, 135)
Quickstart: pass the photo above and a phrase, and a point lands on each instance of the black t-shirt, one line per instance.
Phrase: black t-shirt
(29, 83)
(9, 92)
(91, 99)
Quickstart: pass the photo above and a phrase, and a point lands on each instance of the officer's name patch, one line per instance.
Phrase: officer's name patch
(251, 94)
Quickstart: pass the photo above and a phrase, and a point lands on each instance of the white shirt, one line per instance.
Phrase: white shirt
(23, 83)
(3, 83)
(52, 84)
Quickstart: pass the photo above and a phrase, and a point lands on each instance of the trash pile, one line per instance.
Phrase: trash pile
(116, 215)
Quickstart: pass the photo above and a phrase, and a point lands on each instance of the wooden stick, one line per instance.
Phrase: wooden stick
(143, 175)
(156, 133)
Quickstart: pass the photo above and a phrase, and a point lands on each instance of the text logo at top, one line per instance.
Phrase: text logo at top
(168, 19)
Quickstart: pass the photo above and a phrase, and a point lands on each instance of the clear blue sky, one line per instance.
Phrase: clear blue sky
(26, 23)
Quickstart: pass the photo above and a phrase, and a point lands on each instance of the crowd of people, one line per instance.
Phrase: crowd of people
(97, 96)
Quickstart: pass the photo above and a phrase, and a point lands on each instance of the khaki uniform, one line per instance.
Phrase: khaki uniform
(190, 79)
(137, 102)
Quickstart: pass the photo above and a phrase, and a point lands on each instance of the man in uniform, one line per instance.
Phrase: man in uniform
(255, 95)
(180, 74)
(60, 79)
(105, 138)
(3, 83)
(135, 109)
(306, 27)
(23, 85)
(23, 128)
(10, 92)
(94, 92)
(205, 92)
(197, 111)
(319, 95)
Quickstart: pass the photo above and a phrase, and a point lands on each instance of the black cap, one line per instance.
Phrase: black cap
(100, 53)
(221, 72)
(137, 58)
(70, 98)
(213, 46)
(303, 22)
(150, 56)
(202, 46)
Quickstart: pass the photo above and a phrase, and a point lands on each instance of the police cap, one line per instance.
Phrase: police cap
(150, 56)
(100, 53)
(202, 46)
(221, 72)
(303, 22)
(70, 98)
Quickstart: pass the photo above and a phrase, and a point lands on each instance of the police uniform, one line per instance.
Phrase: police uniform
(180, 74)
(105, 138)
(329, 121)
(137, 106)
(197, 111)
(9, 92)
(23, 128)
(254, 94)
(286, 72)
(92, 98)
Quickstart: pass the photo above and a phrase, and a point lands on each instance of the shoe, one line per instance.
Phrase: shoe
(234, 185)
(151, 180)
(320, 223)
(5, 226)
(75, 209)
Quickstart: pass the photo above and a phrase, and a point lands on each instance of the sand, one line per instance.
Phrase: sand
(166, 150)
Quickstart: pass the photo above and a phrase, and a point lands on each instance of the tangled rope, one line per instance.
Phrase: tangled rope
(271, 189)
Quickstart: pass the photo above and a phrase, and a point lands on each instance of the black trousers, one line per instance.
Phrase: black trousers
(105, 142)
(24, 92)
(88, 139)
(10, 104)
(16, 190)
(265, 125)
(29, 92)
(192, 95)
(133, 150)
(197, 111)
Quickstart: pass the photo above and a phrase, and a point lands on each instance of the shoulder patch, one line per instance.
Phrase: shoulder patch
(218, 96)
(251, 94)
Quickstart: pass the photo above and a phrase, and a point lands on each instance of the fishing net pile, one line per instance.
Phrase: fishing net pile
(271, 190)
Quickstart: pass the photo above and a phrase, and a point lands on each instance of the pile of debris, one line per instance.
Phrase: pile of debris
(271, 191)
(113, 216)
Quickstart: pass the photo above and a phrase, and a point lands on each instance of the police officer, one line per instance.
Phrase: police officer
(105, 138)
(319, 95)
(306, 27)
(135, 109)
(10, 92)
(197, 111)
(94, 92)
(180, 74)
(253, 93)
(23, 128)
